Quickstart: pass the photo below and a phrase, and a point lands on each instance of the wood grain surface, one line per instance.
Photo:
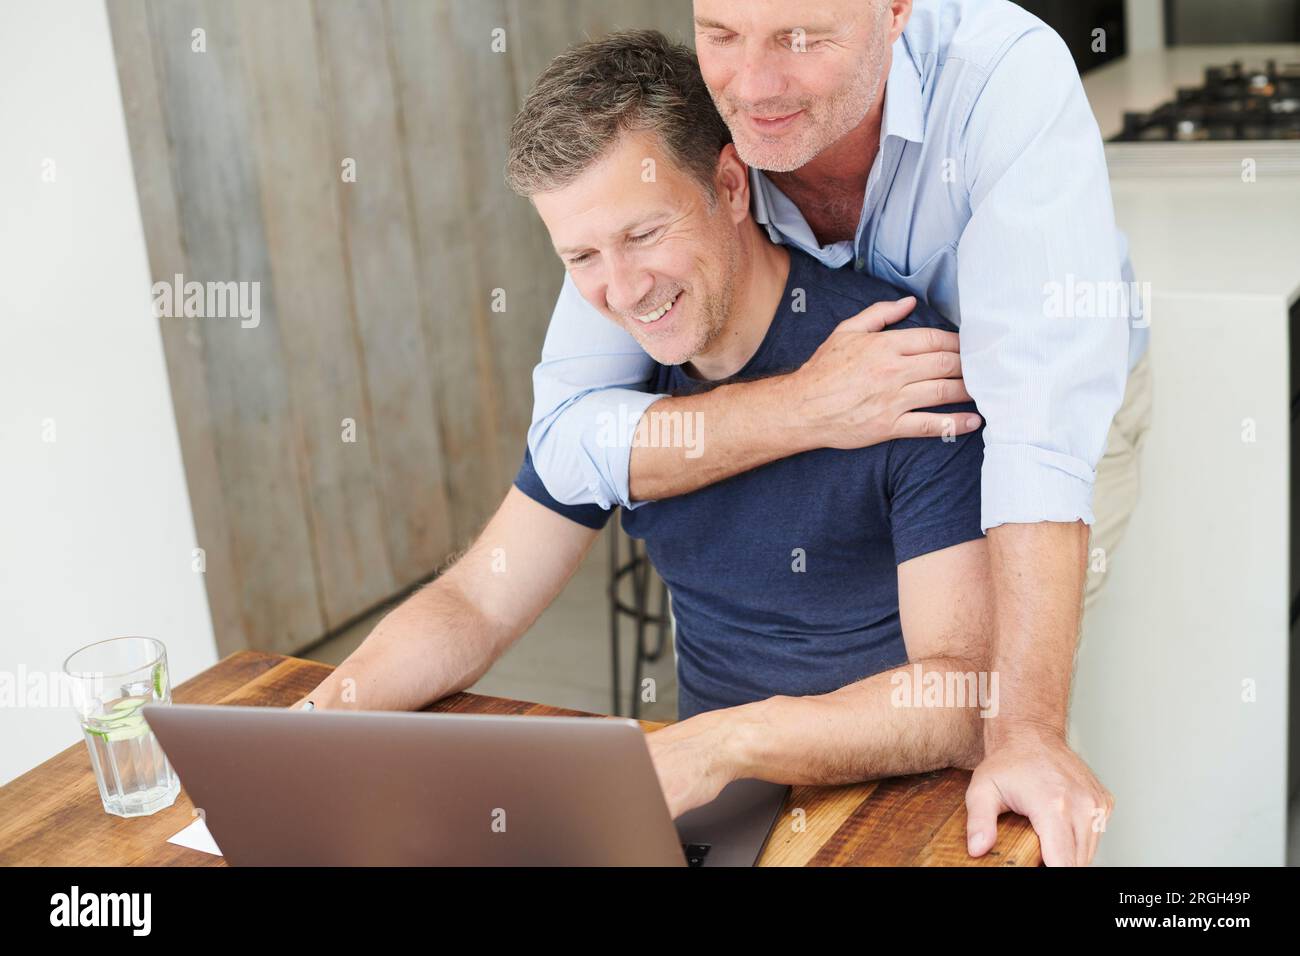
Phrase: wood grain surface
(52, 816)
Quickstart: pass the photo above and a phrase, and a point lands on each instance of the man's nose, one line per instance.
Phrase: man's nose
(758, 76)
(628, 285)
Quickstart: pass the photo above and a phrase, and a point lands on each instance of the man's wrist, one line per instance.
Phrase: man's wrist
(789, 426)
(1005, 729)
(739, 737)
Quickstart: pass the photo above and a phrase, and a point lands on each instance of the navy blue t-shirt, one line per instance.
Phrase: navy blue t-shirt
(784, 578)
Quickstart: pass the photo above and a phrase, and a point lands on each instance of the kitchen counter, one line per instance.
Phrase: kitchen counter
(1195, 227)
(1207, 236)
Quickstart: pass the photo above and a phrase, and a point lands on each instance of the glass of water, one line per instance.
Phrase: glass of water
(110, 681)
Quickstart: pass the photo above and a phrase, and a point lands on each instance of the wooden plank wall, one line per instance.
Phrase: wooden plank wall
(375, 295)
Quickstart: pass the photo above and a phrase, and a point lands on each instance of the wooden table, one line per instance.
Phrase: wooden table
(52, 815)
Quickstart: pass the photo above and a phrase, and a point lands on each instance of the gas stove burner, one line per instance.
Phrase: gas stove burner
(1234, 103)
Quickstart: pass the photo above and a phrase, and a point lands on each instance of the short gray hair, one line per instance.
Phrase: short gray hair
(594, 92)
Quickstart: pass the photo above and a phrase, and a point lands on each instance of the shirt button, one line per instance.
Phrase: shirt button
(859, 265)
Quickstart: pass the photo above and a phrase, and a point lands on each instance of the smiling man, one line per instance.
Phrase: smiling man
(807, 592)
(950, 151)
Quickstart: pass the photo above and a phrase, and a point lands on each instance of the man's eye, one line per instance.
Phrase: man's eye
(720, 39)
(796, 41)
(579, 259)
(643, 236)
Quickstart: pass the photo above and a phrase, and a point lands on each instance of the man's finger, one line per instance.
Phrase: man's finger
(938, 391)
(875, 317)
(925, 366)
(1088, 833)
(1055, 837)
(935, 424)
(920, 341)
(1085, 840)
(983, 806)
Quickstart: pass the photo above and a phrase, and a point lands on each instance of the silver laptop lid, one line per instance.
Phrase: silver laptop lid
(346, 788)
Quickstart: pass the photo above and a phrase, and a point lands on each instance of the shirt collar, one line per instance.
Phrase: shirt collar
(904, 112)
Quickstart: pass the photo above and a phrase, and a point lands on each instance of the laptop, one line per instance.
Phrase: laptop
(281, 787)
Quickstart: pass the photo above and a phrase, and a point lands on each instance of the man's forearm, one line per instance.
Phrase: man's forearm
(856, 733)
(434, 644)
(685, 443)
(1038, 575)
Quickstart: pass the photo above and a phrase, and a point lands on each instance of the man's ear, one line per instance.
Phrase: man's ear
(731, 183)
(900, 11)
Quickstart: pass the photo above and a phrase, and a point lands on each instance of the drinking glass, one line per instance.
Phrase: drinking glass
(110, 681)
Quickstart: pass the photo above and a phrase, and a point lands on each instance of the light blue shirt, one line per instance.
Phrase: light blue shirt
(989, 199)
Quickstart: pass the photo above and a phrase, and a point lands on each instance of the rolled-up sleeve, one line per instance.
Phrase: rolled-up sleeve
(588, 396)
(1044, 350)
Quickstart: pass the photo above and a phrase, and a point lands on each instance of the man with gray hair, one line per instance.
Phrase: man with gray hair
(949, 150)
(832, 607)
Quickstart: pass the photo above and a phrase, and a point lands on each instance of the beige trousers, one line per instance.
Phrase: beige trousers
(1115, 492)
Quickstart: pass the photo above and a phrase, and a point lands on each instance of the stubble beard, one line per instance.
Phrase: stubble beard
(715, 310)
(717, 305)
(833, 120)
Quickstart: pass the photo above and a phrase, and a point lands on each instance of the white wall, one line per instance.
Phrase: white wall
(1180, 699)
(95, 526)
